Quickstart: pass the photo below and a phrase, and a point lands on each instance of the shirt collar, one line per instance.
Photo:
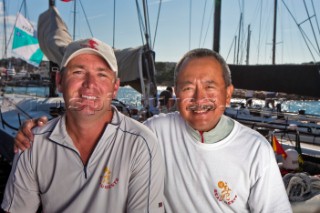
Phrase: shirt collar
(219, 132)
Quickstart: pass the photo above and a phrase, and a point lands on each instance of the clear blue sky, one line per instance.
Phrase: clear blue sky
(173, 37)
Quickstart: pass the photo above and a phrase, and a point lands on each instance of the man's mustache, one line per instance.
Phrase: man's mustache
(200, 107)
(208, 105)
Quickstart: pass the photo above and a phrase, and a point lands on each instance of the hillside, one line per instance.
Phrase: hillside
(165, 73)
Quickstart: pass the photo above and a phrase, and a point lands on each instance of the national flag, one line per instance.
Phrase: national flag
(25, 44)
(278, 148)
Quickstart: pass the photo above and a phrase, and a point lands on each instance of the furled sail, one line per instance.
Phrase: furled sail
(53, 35)
(25, 44)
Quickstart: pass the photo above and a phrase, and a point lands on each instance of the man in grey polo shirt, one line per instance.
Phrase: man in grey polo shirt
(93, 158)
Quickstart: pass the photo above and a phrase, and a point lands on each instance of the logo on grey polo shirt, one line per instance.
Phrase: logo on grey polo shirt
(106, 181)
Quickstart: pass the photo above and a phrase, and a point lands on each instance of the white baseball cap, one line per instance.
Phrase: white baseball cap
(93, 46)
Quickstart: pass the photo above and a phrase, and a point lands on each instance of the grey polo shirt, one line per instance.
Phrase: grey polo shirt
(125, 172)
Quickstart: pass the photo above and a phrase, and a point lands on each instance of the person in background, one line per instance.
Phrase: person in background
(170, 89)
(93, 158)
(166, 100)
(212, 162)
(270, 99)
(248, 97)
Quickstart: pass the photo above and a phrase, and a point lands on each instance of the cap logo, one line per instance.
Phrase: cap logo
(91, 44)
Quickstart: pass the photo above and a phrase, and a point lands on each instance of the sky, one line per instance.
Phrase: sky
(188, 24)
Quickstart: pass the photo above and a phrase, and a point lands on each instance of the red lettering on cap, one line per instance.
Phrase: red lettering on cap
(91, 44)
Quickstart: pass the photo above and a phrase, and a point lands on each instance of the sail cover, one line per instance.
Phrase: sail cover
(53, 35)
(25, 43)
(130, 66)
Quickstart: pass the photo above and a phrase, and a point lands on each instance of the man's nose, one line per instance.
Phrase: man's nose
(88, 80)
(200, 95)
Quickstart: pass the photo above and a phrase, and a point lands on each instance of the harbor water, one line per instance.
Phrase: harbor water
(132, 98)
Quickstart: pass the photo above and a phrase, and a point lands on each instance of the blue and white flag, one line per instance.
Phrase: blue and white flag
(25, 43)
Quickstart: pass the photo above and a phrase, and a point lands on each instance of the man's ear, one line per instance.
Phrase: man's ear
(58, 81)
(116, 88)
(230, 89)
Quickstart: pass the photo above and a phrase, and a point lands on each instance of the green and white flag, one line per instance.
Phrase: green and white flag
(25, 43)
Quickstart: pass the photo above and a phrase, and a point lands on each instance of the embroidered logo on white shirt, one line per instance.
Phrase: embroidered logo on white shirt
(224, 193)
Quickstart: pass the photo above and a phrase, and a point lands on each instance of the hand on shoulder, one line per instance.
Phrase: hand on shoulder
(25, 136)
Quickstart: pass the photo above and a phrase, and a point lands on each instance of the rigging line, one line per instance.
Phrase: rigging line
(142, 29)
(85, 15)
(190, 18)
(233, 40)
(308, 40)
(25, 8)
(157, 23)
(4, 29)
(202, 22)
(259, 36)
(281, 37)
(304, 36)
(255, 13)
(316, 18)
(114, 23)
(15, 23)
(147, 24)
(210, 18)
(309, 18)
(235, 44)
(240, 6)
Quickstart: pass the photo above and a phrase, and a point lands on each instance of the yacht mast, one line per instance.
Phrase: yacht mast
(4, 29)
(53, 67)
(149, 90)
(239, 37)
(216, 26)
(248, 45)
(52, 3)
(74, 19)
(274, 40)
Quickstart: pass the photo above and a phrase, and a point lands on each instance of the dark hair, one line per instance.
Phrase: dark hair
(164, 97)
(169, 89)
(201, 53)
